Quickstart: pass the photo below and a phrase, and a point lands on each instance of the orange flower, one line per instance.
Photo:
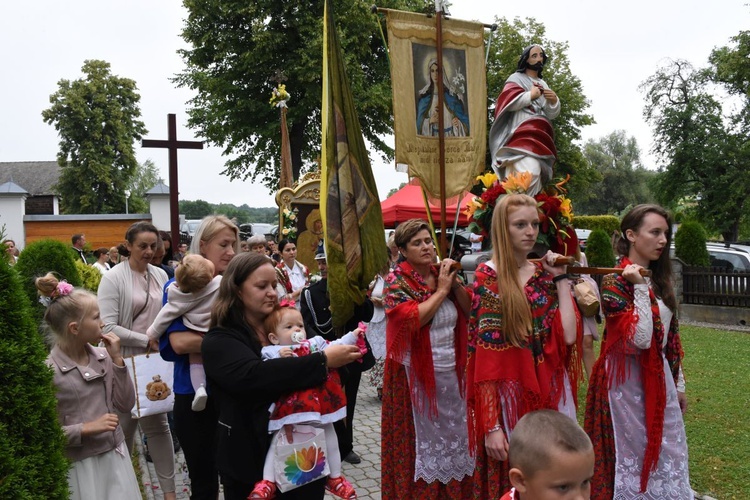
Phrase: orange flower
(472, 206)
(517, 182)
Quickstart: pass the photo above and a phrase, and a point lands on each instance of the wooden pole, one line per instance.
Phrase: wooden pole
(441, 131)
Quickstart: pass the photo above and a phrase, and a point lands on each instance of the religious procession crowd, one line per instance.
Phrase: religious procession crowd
(479, 382)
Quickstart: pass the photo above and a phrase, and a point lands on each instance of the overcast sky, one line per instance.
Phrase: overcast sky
(613, 46)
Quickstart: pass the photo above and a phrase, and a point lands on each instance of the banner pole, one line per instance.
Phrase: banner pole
(441, 130)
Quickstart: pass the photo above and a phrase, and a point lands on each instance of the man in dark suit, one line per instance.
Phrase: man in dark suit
(79, 241)
(315, 308)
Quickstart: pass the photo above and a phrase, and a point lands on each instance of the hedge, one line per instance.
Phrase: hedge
(32, 460)
(39, 258)
(599, 252)
(607, 223)
(690, 244)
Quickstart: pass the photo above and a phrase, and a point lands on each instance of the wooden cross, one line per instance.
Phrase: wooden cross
(172, 144)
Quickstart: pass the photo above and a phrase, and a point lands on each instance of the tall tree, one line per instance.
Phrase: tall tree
(705, 153)
(507, 45)
(97, 121)
(145, 177)
(240, 50)
(623, 179)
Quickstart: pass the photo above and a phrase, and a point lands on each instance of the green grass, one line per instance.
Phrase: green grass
(717, 420)
(718, 415)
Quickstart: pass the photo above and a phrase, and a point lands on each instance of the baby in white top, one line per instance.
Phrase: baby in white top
(190, 296)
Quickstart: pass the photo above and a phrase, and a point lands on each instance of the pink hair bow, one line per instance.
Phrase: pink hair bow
(287, 303)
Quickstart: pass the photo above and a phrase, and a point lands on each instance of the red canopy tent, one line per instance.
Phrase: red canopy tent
(408, 203)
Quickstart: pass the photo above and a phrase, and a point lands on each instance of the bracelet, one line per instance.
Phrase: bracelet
(560, 277)
(494, 429)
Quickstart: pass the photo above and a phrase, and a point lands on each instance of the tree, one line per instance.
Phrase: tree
(146, 176)
(623, 181)
(195, 209)
(508, 44)
(395, 190)
(240, 50)
(705, 152)
(97, 120)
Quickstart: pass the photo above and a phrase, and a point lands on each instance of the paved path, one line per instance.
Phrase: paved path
(365, 477)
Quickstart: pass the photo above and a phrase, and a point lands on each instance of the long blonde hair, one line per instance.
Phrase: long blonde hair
(62, 308)
(514, 307)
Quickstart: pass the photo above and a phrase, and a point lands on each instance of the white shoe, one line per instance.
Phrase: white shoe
(200, 399)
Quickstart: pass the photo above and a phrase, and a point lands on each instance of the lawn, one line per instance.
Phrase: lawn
(718, 415)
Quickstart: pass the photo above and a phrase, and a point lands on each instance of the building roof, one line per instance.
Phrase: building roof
(36, 177)
(160, 188)
(12, 188)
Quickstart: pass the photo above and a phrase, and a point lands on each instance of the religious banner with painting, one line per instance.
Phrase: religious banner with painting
(412, 45)
(299, 217)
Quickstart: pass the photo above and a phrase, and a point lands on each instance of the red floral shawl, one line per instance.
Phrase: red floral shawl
(610, 370)
(528, 378)
(404, 290)
(283, 277)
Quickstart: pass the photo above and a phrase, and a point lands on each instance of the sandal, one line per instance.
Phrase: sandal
(340, 487)
(263, 489)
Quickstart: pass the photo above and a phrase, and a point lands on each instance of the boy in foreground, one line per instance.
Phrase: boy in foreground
(551, 457)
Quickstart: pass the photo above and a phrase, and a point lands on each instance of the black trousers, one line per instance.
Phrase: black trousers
(345, 428)
(196, 431)
(236, 490)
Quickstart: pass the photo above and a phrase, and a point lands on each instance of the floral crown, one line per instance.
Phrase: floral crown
(62, 289)
(555, 209)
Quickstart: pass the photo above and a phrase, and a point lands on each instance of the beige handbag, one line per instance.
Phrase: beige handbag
(586, 298)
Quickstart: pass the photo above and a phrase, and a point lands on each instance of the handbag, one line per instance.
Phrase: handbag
(153, 378)
(301, 461)
(586, 297)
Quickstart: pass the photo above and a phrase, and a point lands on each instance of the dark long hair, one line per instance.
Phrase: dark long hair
(523, 61)
(228, 310)
(661, 268)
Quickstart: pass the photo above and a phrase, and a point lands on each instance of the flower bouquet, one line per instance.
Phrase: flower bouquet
(279, 96)
(555, 209)
(289, 223)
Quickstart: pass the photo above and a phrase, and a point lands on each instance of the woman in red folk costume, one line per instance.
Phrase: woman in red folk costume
(522, 341)
(425, 445)
(637, 392)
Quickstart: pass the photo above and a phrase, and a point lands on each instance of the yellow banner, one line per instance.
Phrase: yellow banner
(413, 52)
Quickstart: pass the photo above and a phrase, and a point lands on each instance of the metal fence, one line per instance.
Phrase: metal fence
(715, 286)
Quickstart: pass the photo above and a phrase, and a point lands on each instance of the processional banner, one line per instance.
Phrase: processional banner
(413, 52)
(352, 219)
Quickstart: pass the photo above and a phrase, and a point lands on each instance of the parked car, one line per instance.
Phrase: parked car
(461, 241)
(728, 258)
(250, 229)
(190, 226)
(582, 235)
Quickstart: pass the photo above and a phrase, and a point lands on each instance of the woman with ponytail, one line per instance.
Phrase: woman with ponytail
(636, 391)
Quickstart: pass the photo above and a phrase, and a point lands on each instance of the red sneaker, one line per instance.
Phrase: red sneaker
(340, 487)
(263, 489)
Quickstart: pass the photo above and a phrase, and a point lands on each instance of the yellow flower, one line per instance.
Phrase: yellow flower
(292, 217)
(517, 182)
(488, 179)
(566, 208)
(285, 231)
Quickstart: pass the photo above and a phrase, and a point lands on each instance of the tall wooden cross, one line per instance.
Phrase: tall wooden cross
(172, 144)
